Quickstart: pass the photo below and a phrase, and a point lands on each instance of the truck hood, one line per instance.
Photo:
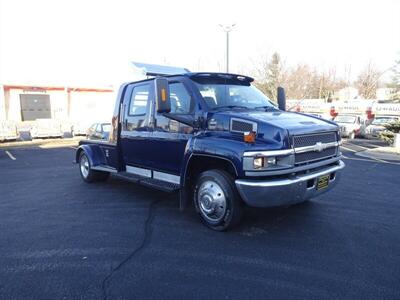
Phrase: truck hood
(294, 123)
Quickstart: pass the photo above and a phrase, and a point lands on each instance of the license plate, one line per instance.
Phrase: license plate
(323, 182)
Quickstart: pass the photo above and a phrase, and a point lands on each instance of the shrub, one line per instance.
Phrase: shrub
(391, 129)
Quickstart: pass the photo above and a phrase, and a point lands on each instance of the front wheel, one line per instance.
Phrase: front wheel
(217, 201)
(87, 173)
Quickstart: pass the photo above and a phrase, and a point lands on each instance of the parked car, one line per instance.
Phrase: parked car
(42, 128)
(79, 128)
(351, 126)
(98, 131)
(8, 131)
(217, 140)
(378, 125)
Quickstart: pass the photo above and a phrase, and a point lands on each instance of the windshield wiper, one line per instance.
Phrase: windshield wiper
(230, 107)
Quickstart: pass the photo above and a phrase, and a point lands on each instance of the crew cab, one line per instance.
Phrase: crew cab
(217, 140)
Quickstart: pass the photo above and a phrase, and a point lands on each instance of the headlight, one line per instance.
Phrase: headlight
(262, 162)
(268, 160)
(258, 162)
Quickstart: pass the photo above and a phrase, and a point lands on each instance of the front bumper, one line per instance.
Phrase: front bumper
(280, 192)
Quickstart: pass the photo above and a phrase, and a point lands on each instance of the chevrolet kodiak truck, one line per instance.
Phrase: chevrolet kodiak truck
(217, 140)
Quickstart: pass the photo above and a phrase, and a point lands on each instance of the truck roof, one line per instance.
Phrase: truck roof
(206, 75)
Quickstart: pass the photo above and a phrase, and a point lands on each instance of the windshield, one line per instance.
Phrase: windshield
(384, 120)
(222, 95)
(345, 119)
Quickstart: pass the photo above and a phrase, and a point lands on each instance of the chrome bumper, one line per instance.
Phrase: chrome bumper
(279, 192)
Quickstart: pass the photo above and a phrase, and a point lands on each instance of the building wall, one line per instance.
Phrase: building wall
(2, 104)
(91, 107)
(58, 102)
(67, 105)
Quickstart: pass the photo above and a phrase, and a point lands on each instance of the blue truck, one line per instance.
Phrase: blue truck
(218, 141)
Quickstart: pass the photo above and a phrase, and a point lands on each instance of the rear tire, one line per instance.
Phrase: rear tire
(87, 173)
(217, 201)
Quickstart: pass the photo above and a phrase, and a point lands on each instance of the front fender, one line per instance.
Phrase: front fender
(93, 152)
(226, 149)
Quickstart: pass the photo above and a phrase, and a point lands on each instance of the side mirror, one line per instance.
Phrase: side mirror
(281, 98)
(163, 102)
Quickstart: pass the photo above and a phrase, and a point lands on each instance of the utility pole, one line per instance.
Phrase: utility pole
(227, 29)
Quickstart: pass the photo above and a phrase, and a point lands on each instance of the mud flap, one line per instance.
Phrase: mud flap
(183, 198)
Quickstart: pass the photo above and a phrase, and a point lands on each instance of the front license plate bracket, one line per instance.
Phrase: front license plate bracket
(323, 182)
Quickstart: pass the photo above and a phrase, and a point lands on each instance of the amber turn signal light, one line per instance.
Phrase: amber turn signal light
(249, 137)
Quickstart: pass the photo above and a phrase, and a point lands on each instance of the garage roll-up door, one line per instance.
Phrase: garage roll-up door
(35, 106)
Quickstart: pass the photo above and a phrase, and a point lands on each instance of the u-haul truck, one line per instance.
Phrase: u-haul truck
(313, 107)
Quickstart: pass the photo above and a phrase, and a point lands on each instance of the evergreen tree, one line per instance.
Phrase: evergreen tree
(395, 84)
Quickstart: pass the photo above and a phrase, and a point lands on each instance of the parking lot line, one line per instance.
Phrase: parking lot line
(10, 155)
(349, 149)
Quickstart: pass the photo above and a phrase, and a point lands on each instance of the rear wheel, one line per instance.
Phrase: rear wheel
(216, 200)
(87, 173)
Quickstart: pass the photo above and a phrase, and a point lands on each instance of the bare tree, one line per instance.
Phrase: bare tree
(270, 75)
(300, 82)
(368, 81)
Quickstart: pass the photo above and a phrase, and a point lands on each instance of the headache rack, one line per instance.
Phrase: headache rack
(151, 70)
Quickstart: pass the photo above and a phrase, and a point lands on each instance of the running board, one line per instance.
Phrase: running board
(150, 182)
(104, 168)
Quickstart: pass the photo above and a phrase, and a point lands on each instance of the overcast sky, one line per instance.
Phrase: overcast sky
(84, 41)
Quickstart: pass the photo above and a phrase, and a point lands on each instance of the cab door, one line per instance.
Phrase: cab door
(169, 137)
(135, 130)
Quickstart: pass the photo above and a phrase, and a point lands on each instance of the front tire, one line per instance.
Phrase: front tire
(87, 173)
(217, 201)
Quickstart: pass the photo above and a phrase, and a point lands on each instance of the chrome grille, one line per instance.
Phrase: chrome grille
(312, 155)
(311, 140)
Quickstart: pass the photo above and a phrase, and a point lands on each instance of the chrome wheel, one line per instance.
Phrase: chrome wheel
(211, 201)
(84, 165)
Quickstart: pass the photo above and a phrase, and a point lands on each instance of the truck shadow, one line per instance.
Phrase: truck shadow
(255, 220)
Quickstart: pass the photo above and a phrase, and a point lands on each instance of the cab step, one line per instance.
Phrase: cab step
(150, 182)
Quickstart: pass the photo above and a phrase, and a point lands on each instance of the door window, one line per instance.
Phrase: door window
(181, 102)
(139, 100)
(136, 114)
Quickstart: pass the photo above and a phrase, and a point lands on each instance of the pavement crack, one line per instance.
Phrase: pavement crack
(146, 237)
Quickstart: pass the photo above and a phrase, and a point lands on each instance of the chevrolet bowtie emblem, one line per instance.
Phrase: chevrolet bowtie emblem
(318, 147)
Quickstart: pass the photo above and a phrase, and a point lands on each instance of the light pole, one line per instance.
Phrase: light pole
(227, 29)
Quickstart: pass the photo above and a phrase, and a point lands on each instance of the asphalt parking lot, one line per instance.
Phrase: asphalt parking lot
(61, 238)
